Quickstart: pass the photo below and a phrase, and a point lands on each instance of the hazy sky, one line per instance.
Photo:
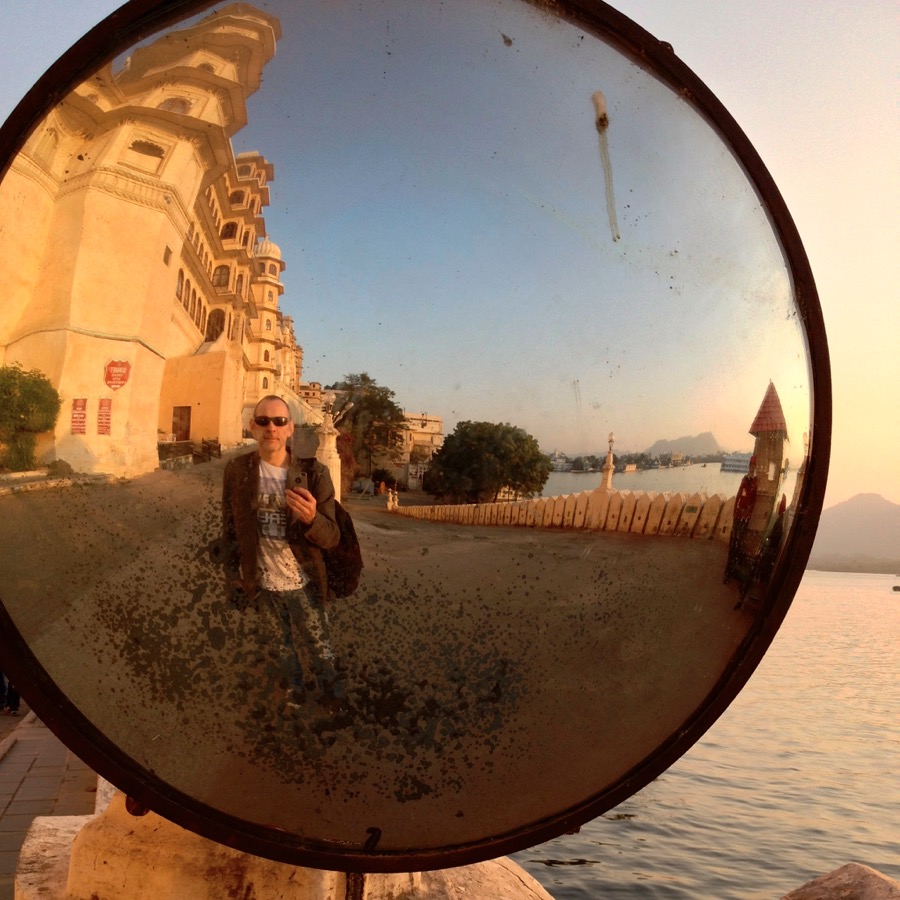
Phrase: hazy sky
(812, 95)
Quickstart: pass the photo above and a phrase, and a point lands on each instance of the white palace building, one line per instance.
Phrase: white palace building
(136, 273)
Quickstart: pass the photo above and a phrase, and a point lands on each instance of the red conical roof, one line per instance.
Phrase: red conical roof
(770, 418)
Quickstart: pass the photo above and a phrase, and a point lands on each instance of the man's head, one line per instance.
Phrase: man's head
(272, 426)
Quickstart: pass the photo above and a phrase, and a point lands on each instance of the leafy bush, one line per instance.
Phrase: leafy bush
(29, 405)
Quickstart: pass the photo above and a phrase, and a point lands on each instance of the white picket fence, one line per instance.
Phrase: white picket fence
(698, 516)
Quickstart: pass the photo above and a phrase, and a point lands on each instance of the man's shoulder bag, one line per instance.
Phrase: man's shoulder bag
(343, 563)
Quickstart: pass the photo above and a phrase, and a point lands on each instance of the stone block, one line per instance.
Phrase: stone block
(853, 881)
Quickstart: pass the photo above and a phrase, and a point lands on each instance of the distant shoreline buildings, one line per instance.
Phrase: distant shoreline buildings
(736, 462)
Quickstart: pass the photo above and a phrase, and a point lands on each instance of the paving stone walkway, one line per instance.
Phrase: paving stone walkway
(39, 776)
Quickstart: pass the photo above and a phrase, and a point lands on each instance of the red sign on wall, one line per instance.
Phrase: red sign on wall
(79, 416)
(104, 417)
(117, 372)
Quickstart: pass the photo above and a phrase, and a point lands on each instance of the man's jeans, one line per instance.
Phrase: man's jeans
(300, 655)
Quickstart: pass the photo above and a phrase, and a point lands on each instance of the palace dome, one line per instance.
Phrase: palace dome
(268, 248)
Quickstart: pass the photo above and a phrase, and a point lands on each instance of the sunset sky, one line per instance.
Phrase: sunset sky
(817, 97)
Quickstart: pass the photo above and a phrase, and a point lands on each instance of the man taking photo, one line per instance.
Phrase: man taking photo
(276, 525)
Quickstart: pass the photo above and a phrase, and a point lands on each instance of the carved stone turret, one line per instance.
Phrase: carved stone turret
(770, 430)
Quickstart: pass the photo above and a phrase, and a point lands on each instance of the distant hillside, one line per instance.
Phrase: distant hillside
(697, 445)
(861, 534)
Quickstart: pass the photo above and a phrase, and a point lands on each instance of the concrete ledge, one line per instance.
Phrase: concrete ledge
(28, 482)
(115, 856)
(124, 858)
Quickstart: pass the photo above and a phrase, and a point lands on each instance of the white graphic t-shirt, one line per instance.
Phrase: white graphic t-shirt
(278, 567)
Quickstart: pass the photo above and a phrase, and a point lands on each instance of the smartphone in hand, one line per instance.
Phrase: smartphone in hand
(297, 477)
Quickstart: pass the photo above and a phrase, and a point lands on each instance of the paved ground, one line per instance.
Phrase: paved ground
(475, 657)
(39, 776)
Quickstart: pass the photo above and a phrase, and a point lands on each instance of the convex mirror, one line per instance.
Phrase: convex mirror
(507, 212)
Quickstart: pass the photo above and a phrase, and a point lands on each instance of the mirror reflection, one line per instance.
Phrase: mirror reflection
(525, 318)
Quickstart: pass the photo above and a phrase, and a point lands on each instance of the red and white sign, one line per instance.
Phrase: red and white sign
(104, 417)
(79, 416)
(117, 372)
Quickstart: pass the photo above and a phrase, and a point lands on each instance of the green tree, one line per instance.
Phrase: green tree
(375, 421)
(479, 459)
(29, 405)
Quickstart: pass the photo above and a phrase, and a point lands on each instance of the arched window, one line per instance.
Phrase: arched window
(239, 285)
(179, 284)
(270, 297)
(246, 238)
(266, 356)
(273, 269)
(265, 383)
(203, 320)
(147, 148)
(186, 299)
(229, 231)
(193, 308)
(179, 105)
(197, 315)
(190, 234)
(215, 325)
(236, 198)
(268, 324)
(221, 276)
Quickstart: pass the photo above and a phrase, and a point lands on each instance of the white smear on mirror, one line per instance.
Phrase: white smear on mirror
(602, 122)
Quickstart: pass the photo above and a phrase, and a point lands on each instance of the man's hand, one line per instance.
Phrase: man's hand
(301, 504)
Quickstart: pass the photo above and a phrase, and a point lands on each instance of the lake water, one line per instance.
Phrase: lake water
(709, 479)
(799, 776)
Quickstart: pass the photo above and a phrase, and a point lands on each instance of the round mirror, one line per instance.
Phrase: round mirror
(535, 232)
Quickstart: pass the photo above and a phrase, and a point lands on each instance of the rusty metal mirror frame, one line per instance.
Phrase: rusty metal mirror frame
(140, 18)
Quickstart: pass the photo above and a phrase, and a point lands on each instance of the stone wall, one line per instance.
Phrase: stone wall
(699, 516)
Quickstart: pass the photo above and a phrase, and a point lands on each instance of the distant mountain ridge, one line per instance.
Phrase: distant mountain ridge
(690, 445)
(861, 534)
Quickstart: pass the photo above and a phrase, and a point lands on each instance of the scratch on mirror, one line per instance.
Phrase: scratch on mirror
(602, 122)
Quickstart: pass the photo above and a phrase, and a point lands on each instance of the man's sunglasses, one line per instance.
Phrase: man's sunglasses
(263, 421)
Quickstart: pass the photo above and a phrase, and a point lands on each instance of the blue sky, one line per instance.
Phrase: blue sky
(429, 253)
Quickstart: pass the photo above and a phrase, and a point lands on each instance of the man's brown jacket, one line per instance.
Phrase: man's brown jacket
(240, 504)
